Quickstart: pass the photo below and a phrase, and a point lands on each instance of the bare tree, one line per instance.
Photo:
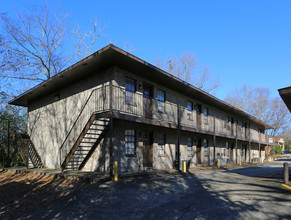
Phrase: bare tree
(84, 42)
(187, 68)
(259, 103)
(34, 42)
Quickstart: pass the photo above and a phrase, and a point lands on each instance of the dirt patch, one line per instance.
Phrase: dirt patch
(23, 193)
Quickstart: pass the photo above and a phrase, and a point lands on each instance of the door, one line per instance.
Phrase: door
(148, 149)
(246, 152)
(199, 151)
(232, 126)
(198, 115)
(232, 153)
(147, 100)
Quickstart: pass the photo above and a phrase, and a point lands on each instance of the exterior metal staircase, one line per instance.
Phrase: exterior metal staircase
(28, 152)
(86, 144)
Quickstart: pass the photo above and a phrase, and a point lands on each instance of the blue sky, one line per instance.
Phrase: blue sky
(243, 42)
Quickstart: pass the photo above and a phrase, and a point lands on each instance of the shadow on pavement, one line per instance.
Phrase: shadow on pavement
(182, 196)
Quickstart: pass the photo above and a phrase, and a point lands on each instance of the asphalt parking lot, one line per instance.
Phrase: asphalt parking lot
(253, 192)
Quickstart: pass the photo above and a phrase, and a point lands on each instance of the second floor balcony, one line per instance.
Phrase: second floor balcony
(143, 107)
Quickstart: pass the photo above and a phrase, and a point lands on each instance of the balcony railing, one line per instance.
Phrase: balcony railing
(135, 104)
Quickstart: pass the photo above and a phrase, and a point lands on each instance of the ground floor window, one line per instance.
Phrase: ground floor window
(161, 144)
(226, 149)
(130, 142)
(189, 146)
(205, 145)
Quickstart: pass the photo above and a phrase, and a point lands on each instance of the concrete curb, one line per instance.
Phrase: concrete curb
(90, 178)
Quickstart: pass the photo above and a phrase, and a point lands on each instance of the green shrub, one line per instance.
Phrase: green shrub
(288, 147)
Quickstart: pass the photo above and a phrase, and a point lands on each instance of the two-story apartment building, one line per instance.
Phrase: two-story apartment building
(113, 106)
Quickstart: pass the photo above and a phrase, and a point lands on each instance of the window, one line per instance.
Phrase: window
(189, 146)
(189, 110)
(161, 100)
(161, 144)
(129, 142)
(205, 145)
(226, 125)
(227, 149)
(129, 91)
(205, 112)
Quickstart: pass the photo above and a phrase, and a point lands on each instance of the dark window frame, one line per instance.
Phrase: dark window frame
(205, 117)
(130, 139)
(161, 144)
(161, 101)
(189, 146)
(205, 146)
(130, 91)
(189, 110)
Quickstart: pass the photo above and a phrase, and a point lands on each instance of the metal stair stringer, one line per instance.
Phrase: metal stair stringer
(95, 145)
(78, 141)
(87, 142)
(28, 151)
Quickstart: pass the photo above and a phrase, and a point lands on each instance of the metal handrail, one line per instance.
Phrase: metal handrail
(135, 108)
(94, 91)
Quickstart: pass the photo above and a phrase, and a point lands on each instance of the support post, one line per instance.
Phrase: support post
(286, 173)
(178, 137)
(249, 143)
(236, 141)
(111, 131)
(214, 141)
(8, 142)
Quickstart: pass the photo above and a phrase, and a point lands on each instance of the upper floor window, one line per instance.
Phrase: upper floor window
(161, 144)
(189, 146)
(129, 91)
(189, 110)
(205, 112)
(226, 124)
(161, 100)
(130, 142)
(205, 145)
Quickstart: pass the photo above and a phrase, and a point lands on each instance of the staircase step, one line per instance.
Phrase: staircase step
(87, 142)
(90, 138)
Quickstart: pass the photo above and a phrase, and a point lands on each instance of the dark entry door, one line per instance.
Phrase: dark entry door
(246, 152)
(148, 149)
(147, 100)
(199, 151)
(198, 115)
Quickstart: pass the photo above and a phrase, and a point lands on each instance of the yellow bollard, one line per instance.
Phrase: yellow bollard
(115, 171)
(184, 166)
(262, 160)
(253, 161)
(240, 161)
(218, 163)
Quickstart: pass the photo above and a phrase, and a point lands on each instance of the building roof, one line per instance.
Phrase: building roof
(285, 94)
(112, 55)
